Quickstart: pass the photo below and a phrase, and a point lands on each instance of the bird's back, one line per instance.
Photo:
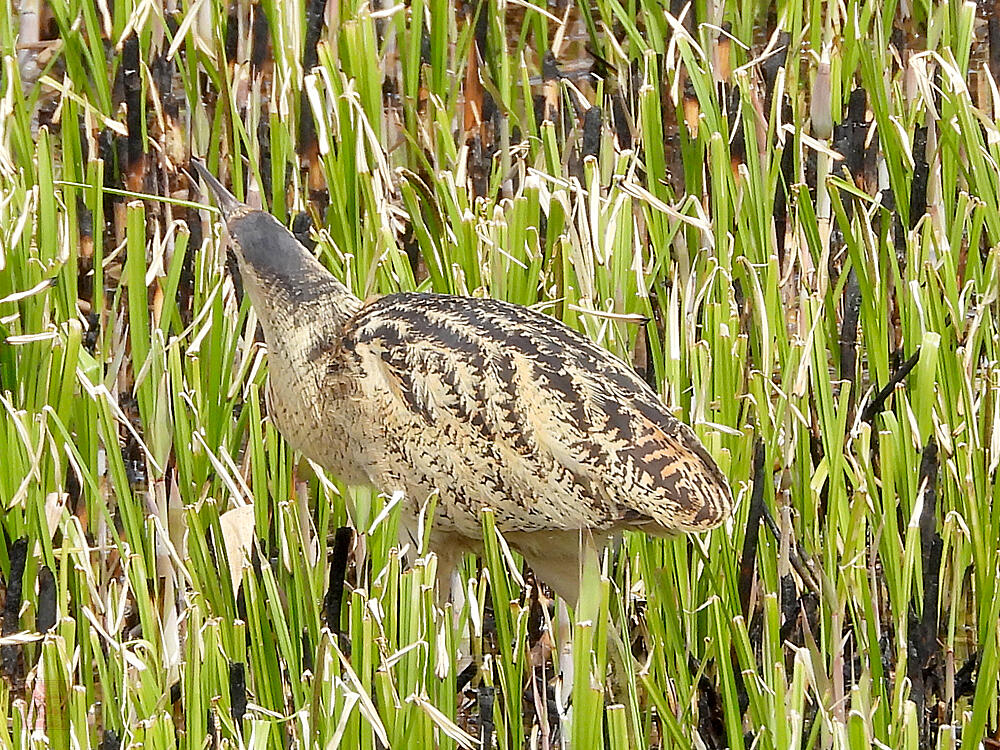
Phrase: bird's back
(490, 404)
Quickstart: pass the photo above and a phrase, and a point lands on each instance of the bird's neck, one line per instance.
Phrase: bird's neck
(300, 313)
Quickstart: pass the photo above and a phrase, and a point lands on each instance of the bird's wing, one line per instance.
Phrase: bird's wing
(553, 430)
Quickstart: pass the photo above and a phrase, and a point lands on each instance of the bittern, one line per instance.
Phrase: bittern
(485, 403)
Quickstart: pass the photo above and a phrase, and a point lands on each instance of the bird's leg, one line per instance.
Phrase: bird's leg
(450, 588)
(569, 563)
(449, 550)
(447, 564)
(621, 662)
(566, 674)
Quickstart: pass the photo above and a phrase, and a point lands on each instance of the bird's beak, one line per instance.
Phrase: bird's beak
(228, 202)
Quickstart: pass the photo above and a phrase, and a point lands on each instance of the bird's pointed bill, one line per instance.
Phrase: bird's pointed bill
(228, 203)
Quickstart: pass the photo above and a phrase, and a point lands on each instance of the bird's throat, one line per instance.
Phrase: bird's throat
(288, 287)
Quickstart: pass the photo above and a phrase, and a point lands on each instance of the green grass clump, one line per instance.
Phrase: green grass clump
(788, 261)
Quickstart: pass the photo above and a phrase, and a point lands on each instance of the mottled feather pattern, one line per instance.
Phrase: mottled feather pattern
(558, 434)
(484, 403)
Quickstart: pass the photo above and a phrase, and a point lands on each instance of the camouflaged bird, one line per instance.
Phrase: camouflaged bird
(487, 403)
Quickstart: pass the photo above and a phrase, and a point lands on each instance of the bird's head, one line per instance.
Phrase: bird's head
(281, 276)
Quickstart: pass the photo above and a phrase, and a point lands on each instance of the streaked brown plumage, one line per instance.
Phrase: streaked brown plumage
(487, 403)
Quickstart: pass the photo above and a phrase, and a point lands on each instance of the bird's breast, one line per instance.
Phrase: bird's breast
(318, 414)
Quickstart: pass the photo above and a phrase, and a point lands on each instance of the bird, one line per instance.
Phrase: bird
(481, 402)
